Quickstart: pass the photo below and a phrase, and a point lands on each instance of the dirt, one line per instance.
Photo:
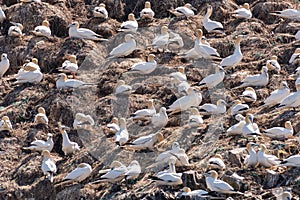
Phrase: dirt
(21, 176)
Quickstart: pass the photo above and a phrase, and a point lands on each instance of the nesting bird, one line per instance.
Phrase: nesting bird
(69, 65)
(160, 119)
(68, 147)
(273, 63)
(243, 12)
(248, 95)
(4, 64)
(130, 25)
(83, 121)
(43, 30)
(212, 109)
(145, 67)
(264, 159)
(161, 41)
(186, 10)
(251, 159)
(145, 114)
(257, 80)
(250, 128)
(112, 127)
(29, 74)
(133, 170)
(215, 79)
(16, 30)
(216, 162)
(41, 117)
(122, 136)
(238, 107)
(237, 129)
(280, 132)
(277, 96)
(147, 12)
(48, 165)
(195, 119)
(292, 100)
(122, 88)
(2, 15)
(83, 33)
(82, 171)
(287, 13)
(5, 124)
(64, 83)
(193, 193)
(210, 25)
(146, 142)
(237, 55)
(125, 48)
(295, 56)
(41, 145)
(100, 11)
(114, 174)
(292, 161)
(180, 75)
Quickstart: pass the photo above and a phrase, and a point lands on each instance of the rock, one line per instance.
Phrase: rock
(271, 179)
(189, 180)
(234, 156)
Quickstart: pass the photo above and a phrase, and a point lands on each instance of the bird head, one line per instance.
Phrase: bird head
(131, 17)
(41, 110)
(151, 57)
(46, 23)
(46, 153)
(147, 4)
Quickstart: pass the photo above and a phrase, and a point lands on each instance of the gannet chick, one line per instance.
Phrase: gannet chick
(69, 65)
(145, 114)
(68, 147)
(195, 119)
(83, 33)
(215, 79)
(216, 162)
(147, 12)
(266, 160)
(237, 129)
(133, 170)
(83, 121)
(287, 13)
(217, 185)
(186, 10)
(250, 128)
(278, 95)
(238, 107)
(243, 12)
(122, 88)
(100, 11)
(16, 30)
(209, 24)
(292, 100)
(237, 55)
(295, 56)
(2, 15)
(43, 30)
(122, 136)
(161, 41)
(251, 159)
(64, 83)
(280, 132)
(125, 48)
(212, 109)
(180, 75)
(146, 142)
(40, 145)
(82, 171)
(48, 165)
(274, 63)
(4, 64)
(192, 98)
(5, 124)
(113, 127)
(145, 67)
(193, 194)
(160, 119)
(248, 95)
(116, 173)
(292, 161)
(286, 195)
(41, 117)
(130, 25)
(257, 80)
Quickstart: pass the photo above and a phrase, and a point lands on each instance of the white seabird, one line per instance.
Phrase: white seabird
(274, 63)
(64, 83)
(292, 161)
(248, 95)
(250, 128)
(40, 145)
(257, 80)
(130, 25)
(295, 56)
(41, 117)
(251, 159)
(216, 162)
(297, 35)
(280, 132)
(122, 136)
(113, 127)
(82, 171)
(147, 12)
(161, 41)
(4, 64)
(83, 121)
(219, 108)
(48, 165)
(209, 24)
(133, 170)
(146, 142)
(180, 75)
(116, 173)
(2, 15)
(204, 50)
(100, 11)
(145, 67)
(292, 100)
(287, 13)
(186, 10)
(237, 55)
(195, 119)
(125, 48)
(16, 30)
(286, 195)
(69, 65)
(43, 30)
(28, 75)
(266, 160)
(238, 107)
(215, 79)
(68, 147)
(83, 33)
(122, 88)
(277, 96)
(160, 119)
(193, 194)
(237, 129)
(146, 113)
(243, 12)
(5, 124)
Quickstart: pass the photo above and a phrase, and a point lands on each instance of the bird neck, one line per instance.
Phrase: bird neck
(65, 137)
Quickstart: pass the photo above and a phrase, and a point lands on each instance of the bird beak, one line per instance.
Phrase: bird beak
(69, 25)
(193, 8)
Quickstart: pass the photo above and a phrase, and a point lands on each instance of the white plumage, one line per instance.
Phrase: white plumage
(209, 24)
(257, 80)
(2, 15)
(287, 13)
(160, 119)
(192, 98)
(122, 88)
(266, 160)
(27, 76)
(40, 145)
(292, 161)
(113, 127)
(16, 30)
(68, 147)
(43, 30)
(144, 114)
(100, 11)
(41, 117)
(48, 165)
(130, 25)
(83, 121)
(5, 124)
(125, 48)
(215, 79)
(273, 63)
(195, 119)
(122, 136)
(238, 107)
(278, 95)
(251, 159)
(83, 33)
(4, 64)
(146, 142)
(280, 132)
(147, 12)
(243, 12)
(237, 129)
(219, 108)
(216, 162)
(161, 41)
(133, 170)
(82, 171)
(295, 56)
(64, 83)
(186, 10)
(292, 100)
(180, 75)
(249, 95)
(236, 57)
(250, 128)
(145, 67)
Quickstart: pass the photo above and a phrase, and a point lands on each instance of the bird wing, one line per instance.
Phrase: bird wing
(143, 139)
(75, 174)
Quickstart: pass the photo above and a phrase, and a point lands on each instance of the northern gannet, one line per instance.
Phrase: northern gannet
(215, 79)
(64, 83)
(68, 147)
(161, 41)
(180, 87)
(41, 117)
(295, 56)
(204, 50)
(5, 124)
(287, 13)
(28, 75)
(237, 129)
(237, 55)
(83, 33)
(145, 67)
(219, 108)
(122, 88)
(278, 95)
(100, 11)
(274, 63)
(130, 25)
(112, 127)
(192, 98)
(195, 119)
(238, 107)
(146, 142)
(83, 121)
(4, 64)
(248, 95)
(292, 161)
(243, 12)
(209, 24)
(264, 159)
(180, 75)
(40, 145)
(114, 174)
(16, 30)
(216, 162)
(2, 15)
(133, 170)
(257, 80)
(250, 128)
(297, 35)
(292, 100)
(82, 171)
(48, 165)
(160, 119)
(217, 185)
(186, 10)
(69, 65)
(146, 113)
(125, 48)
(251, 159)
(43, 30)
(147, 12)
(32, 65)
(280, 132)
(286, 195)
(193, 193)
(122, 136)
